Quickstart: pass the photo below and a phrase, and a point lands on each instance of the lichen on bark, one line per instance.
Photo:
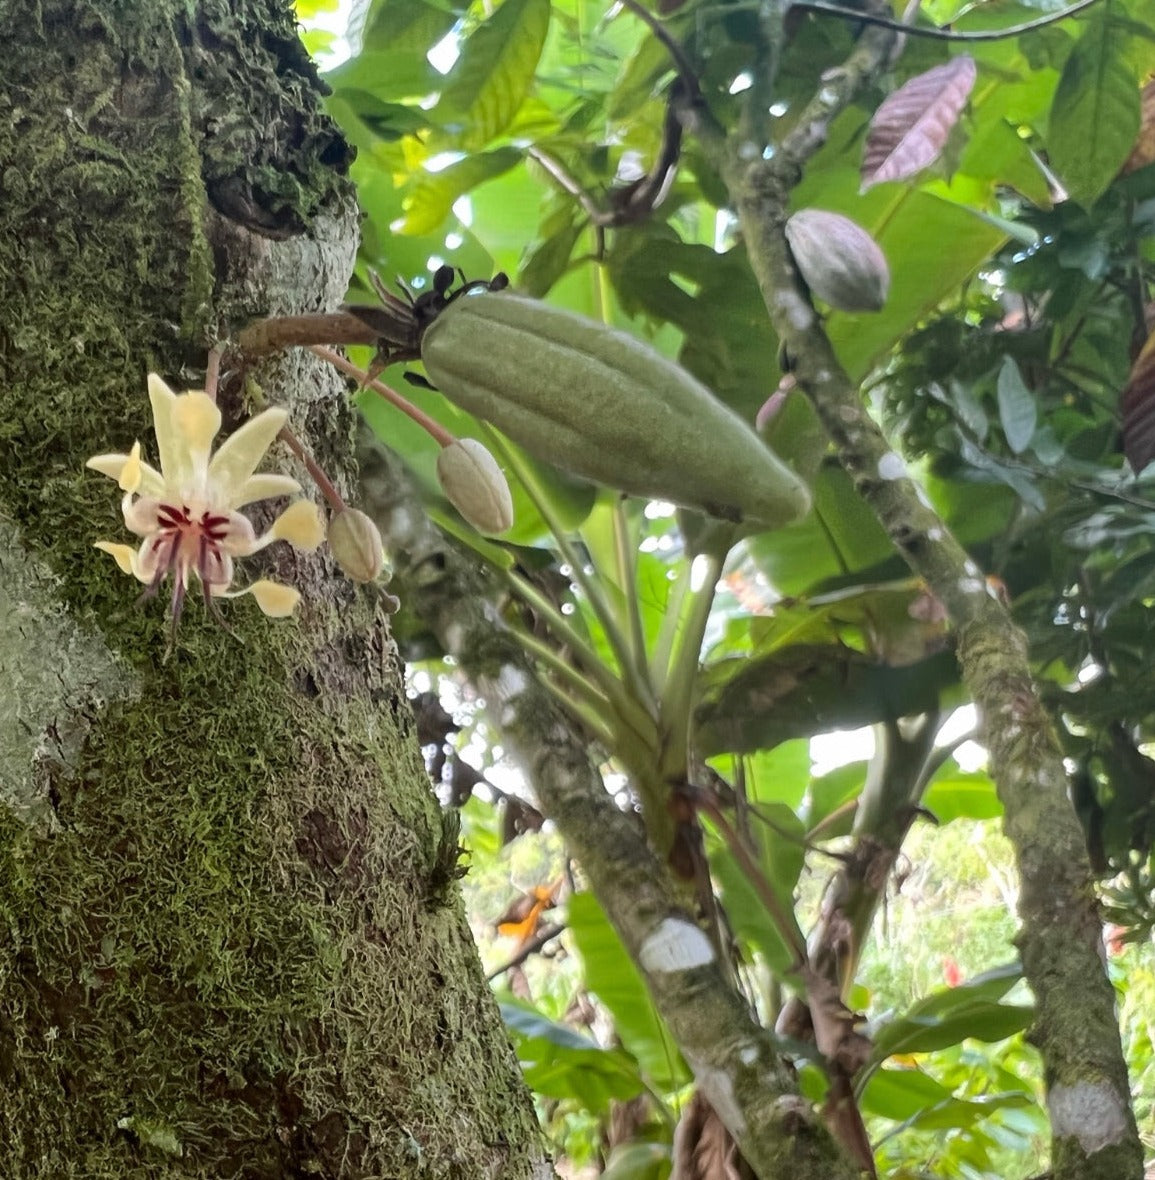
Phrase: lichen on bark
(229, 949)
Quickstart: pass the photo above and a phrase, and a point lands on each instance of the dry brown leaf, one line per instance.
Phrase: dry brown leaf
(911, 127)
(1138, 408)
(703, 1149)
(1144, 151)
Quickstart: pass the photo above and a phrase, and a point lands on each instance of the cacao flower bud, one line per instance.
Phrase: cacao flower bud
(476, 487)
(839, 260)
(356, 545)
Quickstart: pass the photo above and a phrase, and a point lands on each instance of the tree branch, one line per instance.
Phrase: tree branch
(734, 1059)
(937, 34)
(1060, 938)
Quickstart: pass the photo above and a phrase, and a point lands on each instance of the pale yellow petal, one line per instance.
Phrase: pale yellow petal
(237, 457)
(301, 525)
(275, 600)
(265, 487)
(170, 449)
(151, 480)
(131, 473)
(198, 420)
(123, 555)
(110, 465)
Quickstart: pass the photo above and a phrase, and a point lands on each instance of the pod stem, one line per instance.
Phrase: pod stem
(434, 428)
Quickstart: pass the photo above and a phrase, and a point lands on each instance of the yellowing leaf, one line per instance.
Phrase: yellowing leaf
(494, 72)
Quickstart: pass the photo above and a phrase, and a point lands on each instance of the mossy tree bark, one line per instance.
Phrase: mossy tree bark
(231, 942)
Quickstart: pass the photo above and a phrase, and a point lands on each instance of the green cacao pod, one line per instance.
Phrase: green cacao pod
(839, 260)
(604, 405)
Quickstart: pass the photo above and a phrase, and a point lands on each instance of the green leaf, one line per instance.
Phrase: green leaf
(781, 856)
(387, 74)
(560, 1063)
(492, 76)
(638, 1161)
(949, 1016)
(429, 200)
(409, 26)
(1017, 409)
(809, 688)
(611, 975)
(959, 795)
(1095, 114)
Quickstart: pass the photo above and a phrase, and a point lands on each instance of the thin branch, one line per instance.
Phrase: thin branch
(684, 66)
(544, 935)
(937, 34)
(443, 436)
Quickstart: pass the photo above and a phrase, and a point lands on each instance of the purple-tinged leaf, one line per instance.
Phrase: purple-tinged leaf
(911, 127)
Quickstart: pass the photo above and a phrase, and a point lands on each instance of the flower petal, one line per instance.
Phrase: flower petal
(277, 601)
(265, 487)
(301, 525)
(198, 420)
(237, 457)
(170, 448)
(151, 480)
(123, 555)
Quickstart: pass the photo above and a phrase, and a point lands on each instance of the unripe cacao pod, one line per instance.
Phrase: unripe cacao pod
(476, 486)
(607, 406)
(839, 260)
(355, 542)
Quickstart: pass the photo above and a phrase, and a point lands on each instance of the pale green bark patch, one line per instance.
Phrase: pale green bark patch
(55, 671)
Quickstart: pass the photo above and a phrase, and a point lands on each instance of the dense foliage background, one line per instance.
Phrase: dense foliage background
(517, 137)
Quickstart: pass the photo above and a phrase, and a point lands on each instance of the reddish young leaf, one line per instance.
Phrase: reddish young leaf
(911, 127)
(1138, 407)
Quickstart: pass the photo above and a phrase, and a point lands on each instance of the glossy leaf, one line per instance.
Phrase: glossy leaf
(430, 199)
(960, 795)
(807, 689)
(560, 1063)
(1017, 409)
(494, 72)
(611, 975)
(949, 1016)
(1095, 115)
(910, 129)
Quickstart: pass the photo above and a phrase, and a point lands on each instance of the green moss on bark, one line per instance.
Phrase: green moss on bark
(231, 952)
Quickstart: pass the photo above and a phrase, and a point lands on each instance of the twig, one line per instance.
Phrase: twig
(677, 53)
(443, 436)
(544, 935)
(935, 34)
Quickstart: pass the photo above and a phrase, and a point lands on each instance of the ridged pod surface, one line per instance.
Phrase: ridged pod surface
(839, 260)
(604, 405)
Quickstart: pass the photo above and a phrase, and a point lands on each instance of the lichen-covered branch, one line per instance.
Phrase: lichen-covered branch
(732, 1056)
(1093, 1128)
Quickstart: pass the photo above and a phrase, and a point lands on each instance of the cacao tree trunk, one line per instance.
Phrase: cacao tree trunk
(231, 942)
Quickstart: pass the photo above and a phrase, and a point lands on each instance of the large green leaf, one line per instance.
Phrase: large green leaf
(808, 689)
(951, 1015)
(611, 975)
(493, 74)
(779, 837)
(429, 200)
(1095, 114)
(560, 1063)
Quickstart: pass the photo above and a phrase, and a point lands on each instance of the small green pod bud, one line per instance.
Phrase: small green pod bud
(476, 486)
(356, 544)
(606, 406)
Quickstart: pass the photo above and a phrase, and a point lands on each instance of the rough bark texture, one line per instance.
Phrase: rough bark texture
(1088, 1098)
(231, 943)
(735, 1061)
